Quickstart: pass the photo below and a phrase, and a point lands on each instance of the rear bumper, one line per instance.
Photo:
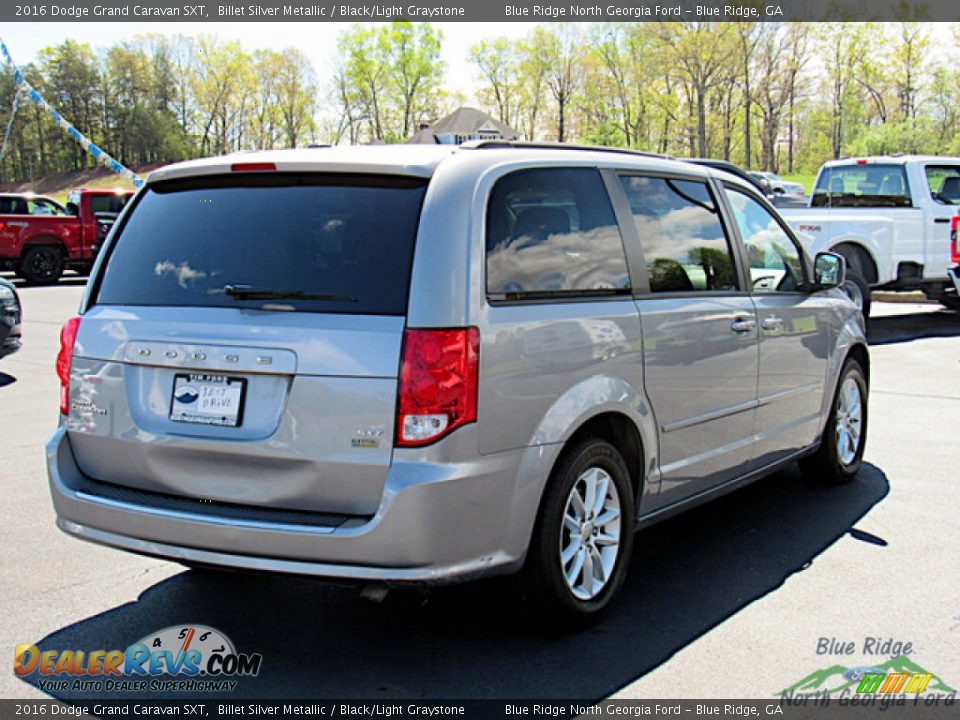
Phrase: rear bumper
(9, 333)
(439, 522)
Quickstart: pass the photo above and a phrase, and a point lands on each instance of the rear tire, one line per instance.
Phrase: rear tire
(844, 437)
(585, 525)
(42, 264)
(856, 287)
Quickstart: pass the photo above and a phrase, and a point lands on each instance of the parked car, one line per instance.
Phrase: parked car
(756, 179)
(456, 385)
(10, 318)
(889, 216)
(779, 186)
(29, 204)
(39, 246)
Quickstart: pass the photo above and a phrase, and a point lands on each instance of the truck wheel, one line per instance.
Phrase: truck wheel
(951, 302)
(840, 453)
(42, 264)
(581, 545)
(858, 291)
(856, 286)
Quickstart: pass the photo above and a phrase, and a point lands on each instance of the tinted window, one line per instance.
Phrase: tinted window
(553, 231)
(682, 236)
(343, 236)
(13, 206)
(869, 185)
(108, 203)
(943, 181)
(775, 260)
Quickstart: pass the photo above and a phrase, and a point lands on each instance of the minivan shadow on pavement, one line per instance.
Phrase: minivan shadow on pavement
(889, 329)
(322, 641)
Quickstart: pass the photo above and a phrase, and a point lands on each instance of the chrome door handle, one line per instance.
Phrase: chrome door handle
(743, 325)
(771, 323)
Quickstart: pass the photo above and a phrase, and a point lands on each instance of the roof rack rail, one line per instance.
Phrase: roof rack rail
(524, 144)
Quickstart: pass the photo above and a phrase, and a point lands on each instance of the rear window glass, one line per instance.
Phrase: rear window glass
(108, 203)
(552, 232)
(319, 243)
(869, 185)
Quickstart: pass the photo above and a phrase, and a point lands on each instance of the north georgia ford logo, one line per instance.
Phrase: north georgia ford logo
(186, 395)
(184, 650)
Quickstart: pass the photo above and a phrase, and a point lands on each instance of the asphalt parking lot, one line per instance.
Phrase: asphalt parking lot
(730, 600)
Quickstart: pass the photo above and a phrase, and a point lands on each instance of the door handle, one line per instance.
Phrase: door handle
(941, 220)
(743, 325)
(771, 323)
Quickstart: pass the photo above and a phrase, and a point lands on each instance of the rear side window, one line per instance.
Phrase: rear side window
(551, 232)
(683, 240)
(13, 206)
(868, 185)
(943, 181)
(319, 243)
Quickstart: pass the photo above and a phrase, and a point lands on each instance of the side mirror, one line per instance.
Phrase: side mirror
(829, 270)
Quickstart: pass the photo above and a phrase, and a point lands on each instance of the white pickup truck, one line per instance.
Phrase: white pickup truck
(890, 218)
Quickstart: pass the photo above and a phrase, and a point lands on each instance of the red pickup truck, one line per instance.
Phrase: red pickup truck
(39, 239)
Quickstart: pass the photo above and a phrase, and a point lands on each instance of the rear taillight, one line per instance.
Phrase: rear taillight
(955, 240)
(68, 338)
(438, 384)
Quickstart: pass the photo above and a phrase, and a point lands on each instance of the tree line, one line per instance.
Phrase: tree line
(776, 96)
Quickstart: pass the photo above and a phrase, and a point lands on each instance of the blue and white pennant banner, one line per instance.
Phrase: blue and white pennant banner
(99, 155)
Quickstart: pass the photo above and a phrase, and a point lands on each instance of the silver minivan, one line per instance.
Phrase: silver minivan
(425, 364)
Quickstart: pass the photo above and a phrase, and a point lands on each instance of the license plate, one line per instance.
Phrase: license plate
(208, 399)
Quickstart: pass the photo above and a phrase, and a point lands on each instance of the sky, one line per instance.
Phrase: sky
(317, 40)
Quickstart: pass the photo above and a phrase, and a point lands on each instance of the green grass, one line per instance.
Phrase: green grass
(805, 180)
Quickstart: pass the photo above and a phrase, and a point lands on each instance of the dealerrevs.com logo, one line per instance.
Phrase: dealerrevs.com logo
(187, 658)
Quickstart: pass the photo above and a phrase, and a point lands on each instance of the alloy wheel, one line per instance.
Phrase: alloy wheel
(590, 533)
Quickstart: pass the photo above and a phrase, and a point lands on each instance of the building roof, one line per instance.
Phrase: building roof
(465, 121)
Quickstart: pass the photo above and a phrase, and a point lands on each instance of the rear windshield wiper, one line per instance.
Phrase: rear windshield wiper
(246, 292)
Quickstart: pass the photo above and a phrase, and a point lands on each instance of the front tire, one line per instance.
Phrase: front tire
(583, 539)
(840, 454)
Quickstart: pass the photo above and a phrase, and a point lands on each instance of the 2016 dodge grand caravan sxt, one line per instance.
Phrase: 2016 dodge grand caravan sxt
(430, 364)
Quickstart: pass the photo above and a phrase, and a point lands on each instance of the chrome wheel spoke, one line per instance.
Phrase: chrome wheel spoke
(606, 540)
(576, 543)
(590, 497)
(599, 568)
(600, 497)
(576, 505)
(588, 578)
(608, 516)
(573, 573)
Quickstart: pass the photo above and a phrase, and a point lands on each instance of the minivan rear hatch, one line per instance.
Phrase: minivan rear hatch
(242, 343)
